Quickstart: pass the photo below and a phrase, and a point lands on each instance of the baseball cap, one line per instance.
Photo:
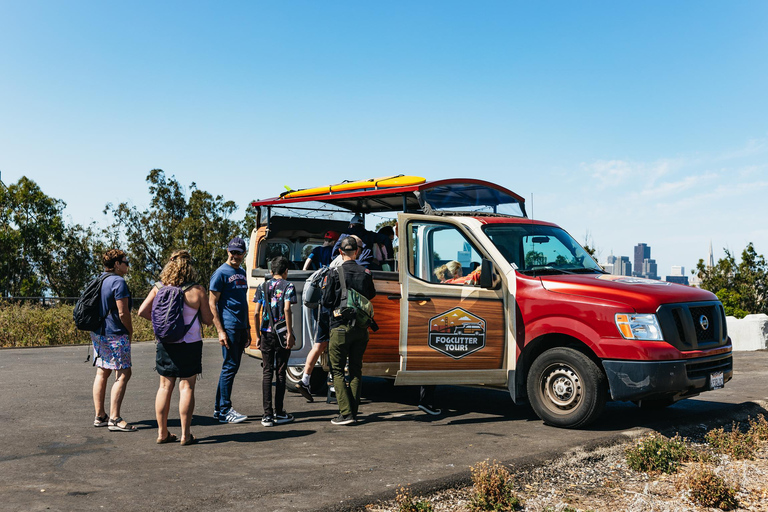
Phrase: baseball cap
(357, 219)
(236, 244)
(349, 244)
(331, 235)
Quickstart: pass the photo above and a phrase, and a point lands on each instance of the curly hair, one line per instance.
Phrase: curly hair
(179, 269)
(454, 267)
(111, 257)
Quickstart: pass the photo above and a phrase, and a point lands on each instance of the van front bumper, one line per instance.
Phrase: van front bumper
(636, 380)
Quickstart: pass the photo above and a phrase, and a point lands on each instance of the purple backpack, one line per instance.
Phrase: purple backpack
(168, 313)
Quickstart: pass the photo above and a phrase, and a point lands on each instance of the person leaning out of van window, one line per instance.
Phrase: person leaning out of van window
(112, 343)
(183, 358)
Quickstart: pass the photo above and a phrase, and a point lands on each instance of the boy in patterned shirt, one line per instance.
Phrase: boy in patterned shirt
(275, 339)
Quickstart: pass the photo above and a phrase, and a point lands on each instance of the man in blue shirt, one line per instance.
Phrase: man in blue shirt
(228, 299)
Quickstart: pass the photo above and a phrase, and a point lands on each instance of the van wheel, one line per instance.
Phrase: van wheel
(318, 381)
(566, 388)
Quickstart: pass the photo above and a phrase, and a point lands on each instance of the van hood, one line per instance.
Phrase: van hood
(642, 295)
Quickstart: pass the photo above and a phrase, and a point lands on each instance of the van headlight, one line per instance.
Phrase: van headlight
(639, 327)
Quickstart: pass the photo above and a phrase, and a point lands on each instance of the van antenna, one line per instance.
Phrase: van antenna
(531, 205)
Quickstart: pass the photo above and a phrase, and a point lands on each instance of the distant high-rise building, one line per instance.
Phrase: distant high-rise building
(623, 266)
(677, 279)
(677, 270)
(642, 252)
(649, 269)
(711, 262)
(611, 259)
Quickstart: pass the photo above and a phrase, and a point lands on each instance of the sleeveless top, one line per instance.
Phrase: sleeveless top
(195, 333)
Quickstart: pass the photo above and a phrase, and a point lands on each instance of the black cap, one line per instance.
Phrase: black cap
(236, 244)
(349, 244)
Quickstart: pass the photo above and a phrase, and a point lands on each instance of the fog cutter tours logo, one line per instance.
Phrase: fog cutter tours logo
(456, 333)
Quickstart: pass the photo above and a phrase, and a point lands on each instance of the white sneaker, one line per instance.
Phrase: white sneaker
(232, 417)
(283, 417)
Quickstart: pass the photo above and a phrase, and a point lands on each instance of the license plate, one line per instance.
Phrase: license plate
(716, 380)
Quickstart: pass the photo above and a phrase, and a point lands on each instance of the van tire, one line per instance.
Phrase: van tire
(566, 388)
(318, 380)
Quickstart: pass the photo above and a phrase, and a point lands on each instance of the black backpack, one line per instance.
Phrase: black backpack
(87, 313)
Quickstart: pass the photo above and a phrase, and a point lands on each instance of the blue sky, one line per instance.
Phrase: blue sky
(633, 122)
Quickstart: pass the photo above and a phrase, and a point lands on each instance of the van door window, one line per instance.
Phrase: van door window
(440, 253)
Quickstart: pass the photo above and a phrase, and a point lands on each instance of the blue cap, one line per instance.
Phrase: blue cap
(236, 244)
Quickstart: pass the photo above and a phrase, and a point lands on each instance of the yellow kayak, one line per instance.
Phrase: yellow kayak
(350, 186)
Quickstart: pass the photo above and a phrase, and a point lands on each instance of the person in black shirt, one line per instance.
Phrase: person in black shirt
(348, 341)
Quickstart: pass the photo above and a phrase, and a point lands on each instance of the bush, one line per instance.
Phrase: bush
(492, 488)
(32, 325)
(658, 454)
(758, 428)
(405, 502)
(709, 490)
(735, 443)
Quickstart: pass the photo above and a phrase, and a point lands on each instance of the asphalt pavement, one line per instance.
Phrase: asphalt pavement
(53, 459)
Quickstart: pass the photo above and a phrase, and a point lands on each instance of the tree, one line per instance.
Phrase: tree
(199, 223)
(42, 254)
(742, 287)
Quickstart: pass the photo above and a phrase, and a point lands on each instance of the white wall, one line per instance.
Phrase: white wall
(748, 333)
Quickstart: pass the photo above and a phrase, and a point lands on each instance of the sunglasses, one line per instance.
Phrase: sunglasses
(236, 253)
(126, 262)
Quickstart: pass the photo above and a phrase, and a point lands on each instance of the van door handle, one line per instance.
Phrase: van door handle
(419, 298)
(393, 297)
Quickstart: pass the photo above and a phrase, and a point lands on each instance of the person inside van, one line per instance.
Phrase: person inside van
(322, 255)
(369, 239)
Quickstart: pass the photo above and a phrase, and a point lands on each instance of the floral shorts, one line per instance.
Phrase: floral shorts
(111, 352)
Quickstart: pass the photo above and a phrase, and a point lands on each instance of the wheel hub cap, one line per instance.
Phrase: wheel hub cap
(562, 387)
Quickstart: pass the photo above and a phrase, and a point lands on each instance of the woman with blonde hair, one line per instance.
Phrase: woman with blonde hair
(180, 359)
(454, 267)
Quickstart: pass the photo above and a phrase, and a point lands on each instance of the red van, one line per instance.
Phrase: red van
(541, 318)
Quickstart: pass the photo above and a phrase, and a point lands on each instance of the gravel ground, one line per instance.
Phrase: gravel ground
(600, 480)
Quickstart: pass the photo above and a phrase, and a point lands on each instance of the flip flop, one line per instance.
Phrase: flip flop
(114, 425)
(170, 438)
(192, 440)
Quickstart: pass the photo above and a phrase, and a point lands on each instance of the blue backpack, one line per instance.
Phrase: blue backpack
(168, 313)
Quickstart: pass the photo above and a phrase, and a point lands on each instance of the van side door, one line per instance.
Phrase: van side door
(452, 331)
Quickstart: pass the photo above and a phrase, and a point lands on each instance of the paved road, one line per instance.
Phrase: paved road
(51, 458)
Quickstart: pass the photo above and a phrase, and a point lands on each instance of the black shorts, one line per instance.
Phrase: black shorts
(181, 360)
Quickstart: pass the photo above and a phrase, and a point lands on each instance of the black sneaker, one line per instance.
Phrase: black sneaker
(283, 417)
(434, 411)
(343, 420)
(267, 420)
(304, 390)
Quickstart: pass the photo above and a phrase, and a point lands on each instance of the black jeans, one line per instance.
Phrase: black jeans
(273, 355)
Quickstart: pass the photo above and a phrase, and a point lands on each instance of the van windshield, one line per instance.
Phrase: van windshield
(534, 249)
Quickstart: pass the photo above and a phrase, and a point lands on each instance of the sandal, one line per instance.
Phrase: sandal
(191, 440)
(170, 438)
(101, 421)
(114, 425)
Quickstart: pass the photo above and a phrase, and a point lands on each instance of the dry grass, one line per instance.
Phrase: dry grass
(25, 325)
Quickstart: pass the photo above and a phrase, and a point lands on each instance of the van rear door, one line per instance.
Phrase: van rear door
(452, 331)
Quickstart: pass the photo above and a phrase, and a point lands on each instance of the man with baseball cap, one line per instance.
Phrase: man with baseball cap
(348, 340)
(322, 255)
(228, 299)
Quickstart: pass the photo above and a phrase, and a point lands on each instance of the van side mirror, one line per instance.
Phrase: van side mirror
(487, 274)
